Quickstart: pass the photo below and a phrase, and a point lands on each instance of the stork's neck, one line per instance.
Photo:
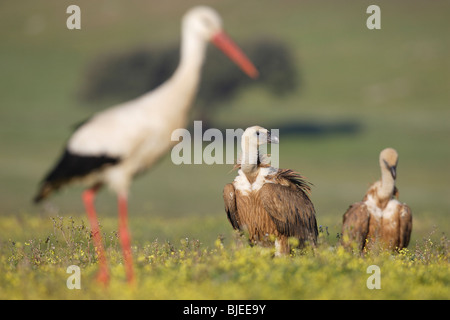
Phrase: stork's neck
(192, 55)
(175, 96)
(386, 189)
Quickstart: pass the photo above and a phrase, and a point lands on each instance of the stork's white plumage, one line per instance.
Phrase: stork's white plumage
(116, 144)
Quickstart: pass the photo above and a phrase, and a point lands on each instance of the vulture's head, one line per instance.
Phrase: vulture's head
(389, 160)
(256, 136)
(253, 143)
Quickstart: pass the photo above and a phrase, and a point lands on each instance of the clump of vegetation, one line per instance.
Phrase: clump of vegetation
(226, 269)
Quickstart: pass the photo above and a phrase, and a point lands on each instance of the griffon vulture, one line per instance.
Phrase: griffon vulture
(271, 205)
(380, 217)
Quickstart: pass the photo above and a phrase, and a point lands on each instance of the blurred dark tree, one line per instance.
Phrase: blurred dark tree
(126, 75)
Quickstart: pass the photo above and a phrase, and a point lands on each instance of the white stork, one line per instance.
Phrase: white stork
(267, 202)
(118, 143)
(380, 217)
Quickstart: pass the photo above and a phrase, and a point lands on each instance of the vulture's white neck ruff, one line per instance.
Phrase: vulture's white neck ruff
(242, 183)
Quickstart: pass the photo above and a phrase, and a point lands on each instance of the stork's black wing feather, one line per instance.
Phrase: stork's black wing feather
(71, 166)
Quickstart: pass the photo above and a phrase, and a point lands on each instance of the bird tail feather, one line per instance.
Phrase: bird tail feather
(44, 191)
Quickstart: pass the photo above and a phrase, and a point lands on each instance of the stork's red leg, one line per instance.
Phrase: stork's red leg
(125, 238)
(88, 199)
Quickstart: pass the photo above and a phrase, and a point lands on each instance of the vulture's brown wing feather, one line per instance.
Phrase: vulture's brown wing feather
(229, 198)
(355, 226)
(291, 210)
(405, 226)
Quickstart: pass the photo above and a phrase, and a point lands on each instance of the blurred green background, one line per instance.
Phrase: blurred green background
(392, 85)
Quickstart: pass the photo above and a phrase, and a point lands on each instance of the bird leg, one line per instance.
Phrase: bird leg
(88, 200)
(125, 238)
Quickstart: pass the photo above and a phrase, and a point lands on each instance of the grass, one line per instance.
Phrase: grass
(226, 268)
(391, 84)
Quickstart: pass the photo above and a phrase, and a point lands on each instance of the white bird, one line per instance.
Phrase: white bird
(118, 143)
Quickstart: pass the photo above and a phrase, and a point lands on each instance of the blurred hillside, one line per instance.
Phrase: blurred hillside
(391, 84)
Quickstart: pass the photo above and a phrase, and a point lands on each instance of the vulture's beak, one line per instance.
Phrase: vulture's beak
(393, 170)
(272, 139)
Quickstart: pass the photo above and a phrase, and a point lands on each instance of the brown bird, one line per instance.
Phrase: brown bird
(269, 204)
(380, 217)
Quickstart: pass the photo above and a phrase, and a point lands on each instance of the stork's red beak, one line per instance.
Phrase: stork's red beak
(224, 43)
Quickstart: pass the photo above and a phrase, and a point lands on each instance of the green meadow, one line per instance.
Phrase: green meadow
(360, 91)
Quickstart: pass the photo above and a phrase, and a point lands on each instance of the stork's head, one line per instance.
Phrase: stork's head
(256, 136)
(206, 23)
(389, 160)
